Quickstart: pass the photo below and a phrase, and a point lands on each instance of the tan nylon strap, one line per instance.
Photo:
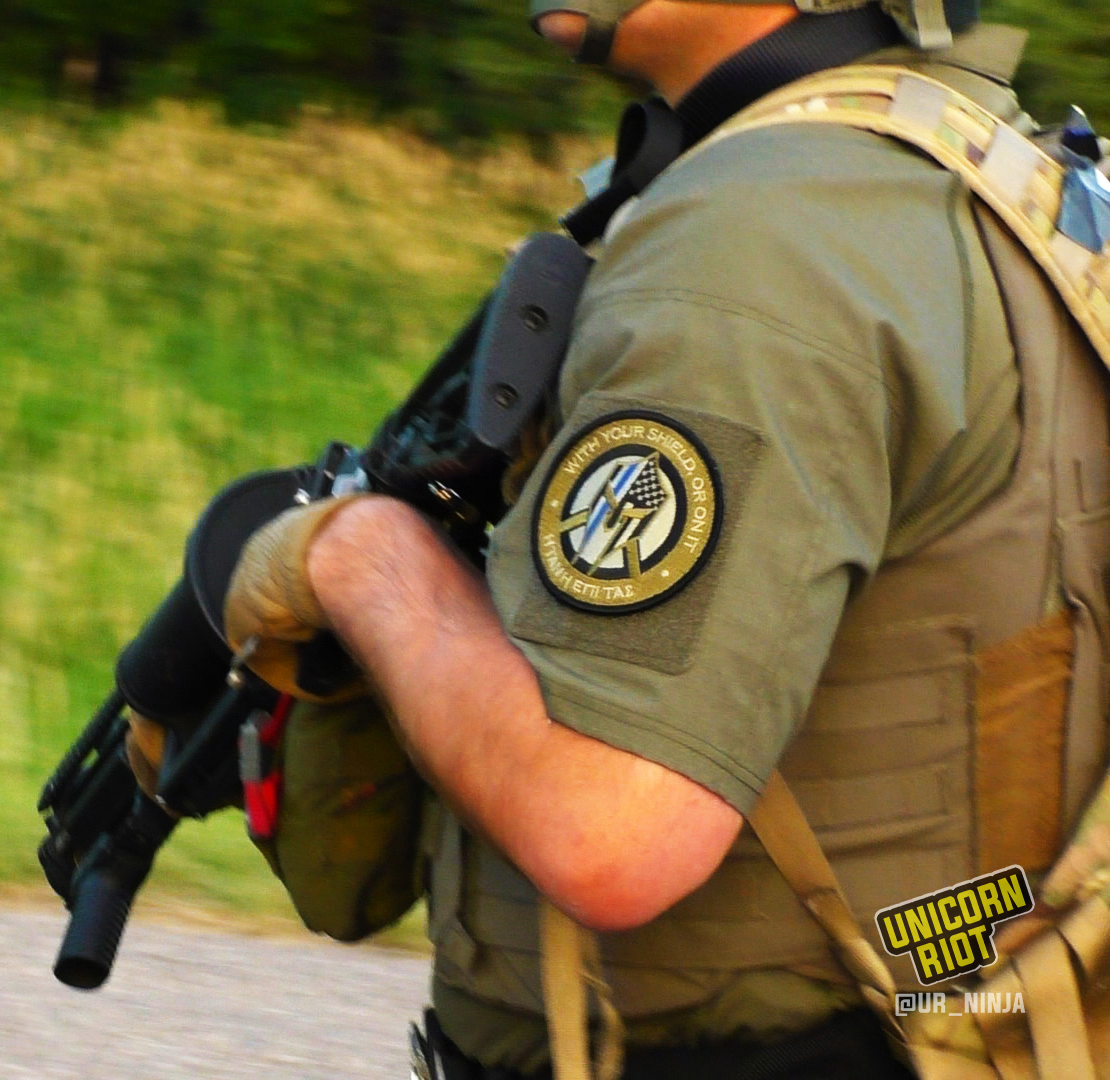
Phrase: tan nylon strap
(1017, 179)
(610, 1050)
(1087, 932)
(569, 964)
(1006, 1041)
(564, 994)
(1055, 1013)
(786, 836)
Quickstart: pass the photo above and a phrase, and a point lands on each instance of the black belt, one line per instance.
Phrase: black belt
(848, 1046)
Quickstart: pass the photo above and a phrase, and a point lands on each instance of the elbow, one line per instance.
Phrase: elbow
(605, 898)
(611, 838)
(611, 888)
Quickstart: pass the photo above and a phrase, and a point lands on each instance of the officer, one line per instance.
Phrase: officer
(798, 512)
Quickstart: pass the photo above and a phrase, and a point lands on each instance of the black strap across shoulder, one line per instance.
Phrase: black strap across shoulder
(652, 135)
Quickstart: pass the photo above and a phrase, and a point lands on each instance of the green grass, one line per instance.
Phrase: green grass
(181, 304)
(1068, 58)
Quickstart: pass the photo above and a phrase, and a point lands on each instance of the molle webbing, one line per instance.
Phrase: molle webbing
(1011, 174)
(1058, 974)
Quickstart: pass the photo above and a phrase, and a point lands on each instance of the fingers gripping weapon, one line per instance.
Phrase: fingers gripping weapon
(445, 451)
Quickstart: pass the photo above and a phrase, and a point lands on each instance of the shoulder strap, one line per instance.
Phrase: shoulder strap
(1009, 172)
(1051, 971)
(786, 836)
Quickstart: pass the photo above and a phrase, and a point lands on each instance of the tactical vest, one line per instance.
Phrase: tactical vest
(957, 741)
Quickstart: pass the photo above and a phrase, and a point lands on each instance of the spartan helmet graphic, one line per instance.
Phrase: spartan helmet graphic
(613, 527)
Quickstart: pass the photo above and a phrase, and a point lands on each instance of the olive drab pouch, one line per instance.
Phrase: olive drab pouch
(334, 804)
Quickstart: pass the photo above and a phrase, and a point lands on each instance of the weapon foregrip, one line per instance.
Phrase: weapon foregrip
(100, 912)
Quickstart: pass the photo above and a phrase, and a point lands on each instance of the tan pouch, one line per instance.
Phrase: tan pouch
(1061, 971)
(1021, 698)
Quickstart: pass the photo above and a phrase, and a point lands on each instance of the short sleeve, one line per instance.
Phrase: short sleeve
(742, 329)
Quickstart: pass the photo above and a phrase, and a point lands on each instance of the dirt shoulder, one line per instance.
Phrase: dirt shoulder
(164, 909)
(184, 1003)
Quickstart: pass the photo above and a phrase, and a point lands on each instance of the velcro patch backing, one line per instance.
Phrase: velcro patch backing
(630, 523)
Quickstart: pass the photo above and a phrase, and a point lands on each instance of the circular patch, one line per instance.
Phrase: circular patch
(627, 515)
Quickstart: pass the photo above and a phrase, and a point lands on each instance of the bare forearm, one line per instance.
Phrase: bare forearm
(568, 810)
(422, 624)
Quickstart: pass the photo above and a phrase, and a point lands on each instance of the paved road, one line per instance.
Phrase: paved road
(186, 1005)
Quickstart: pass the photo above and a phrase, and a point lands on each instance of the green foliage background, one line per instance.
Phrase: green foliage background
(187, 296)
(452, 68)
(182, 303)
(1068, 58)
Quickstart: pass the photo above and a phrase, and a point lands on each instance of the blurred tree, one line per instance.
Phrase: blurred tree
(458, 67)
(98, 40)
(452, 67)
(1068, 59)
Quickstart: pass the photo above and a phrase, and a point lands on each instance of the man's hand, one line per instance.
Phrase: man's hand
(271, 607)
(611, 838)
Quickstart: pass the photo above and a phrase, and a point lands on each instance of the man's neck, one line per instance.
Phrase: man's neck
(652, 135)
(673, 46)
(792, 52)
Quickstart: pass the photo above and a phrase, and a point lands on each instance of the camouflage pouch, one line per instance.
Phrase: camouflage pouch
(336, 811)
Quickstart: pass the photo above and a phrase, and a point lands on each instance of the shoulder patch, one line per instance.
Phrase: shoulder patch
(627, 515)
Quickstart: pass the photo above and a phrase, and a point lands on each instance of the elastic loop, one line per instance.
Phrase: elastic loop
(924, 22)
(597, 42)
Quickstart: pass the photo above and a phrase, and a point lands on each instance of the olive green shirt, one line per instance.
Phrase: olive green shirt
(814, 306)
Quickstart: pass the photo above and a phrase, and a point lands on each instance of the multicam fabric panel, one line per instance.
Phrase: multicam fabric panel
(1019, 180)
